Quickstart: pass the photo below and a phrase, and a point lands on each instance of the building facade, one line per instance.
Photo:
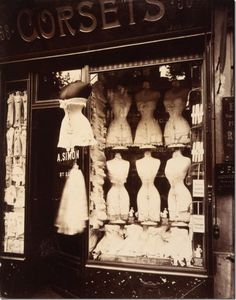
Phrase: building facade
(117, 130)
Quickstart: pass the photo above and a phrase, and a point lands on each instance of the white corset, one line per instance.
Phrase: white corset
(177, 129)
(119, 131)
(148, 130)
(179, 197)
(148, 198)
(118, 201)
(75, 127)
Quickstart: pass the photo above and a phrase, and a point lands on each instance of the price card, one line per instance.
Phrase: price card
(198, 223)
(198, 188)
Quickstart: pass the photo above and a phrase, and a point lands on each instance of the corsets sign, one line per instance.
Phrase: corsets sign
(52, 26)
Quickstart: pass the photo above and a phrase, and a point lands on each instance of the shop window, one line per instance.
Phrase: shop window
(15, 154)
(147, 171)
(49, 83)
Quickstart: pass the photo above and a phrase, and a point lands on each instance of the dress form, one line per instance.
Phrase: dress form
(75, 127)
(177, 129)
(179, 197)
(148, 198)
(117, 197)
(148, 131)
(119, 131)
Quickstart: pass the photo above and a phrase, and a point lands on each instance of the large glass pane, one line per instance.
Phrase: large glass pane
(147, 170)
(49, 83)
(15, 167)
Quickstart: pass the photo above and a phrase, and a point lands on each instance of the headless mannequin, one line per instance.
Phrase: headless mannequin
(179, 197)
(118, 197)
(119, 131)
(148, 198)
(177, 129)
(148, 130)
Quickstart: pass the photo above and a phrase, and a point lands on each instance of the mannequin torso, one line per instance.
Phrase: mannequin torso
(148, 130)
(117, 196)
(179, 197)
(119, 132)
(177, 129)
(148, 198)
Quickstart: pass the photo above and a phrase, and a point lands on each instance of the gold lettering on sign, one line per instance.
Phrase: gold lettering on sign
(67, 20)
(68, 155)
(34, 34)
(46, 17)
(160, 13)
(131, 11)
(108, 10)
(65, 13)
(88, 15)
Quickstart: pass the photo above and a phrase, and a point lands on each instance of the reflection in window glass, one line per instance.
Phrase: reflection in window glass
(50, 83)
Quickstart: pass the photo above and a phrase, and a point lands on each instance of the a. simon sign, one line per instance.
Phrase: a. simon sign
(38, 27)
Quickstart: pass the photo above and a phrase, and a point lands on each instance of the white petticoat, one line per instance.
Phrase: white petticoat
(73, 209)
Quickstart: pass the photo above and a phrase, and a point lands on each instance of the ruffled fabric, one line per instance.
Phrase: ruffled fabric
(148, 132)
(75, 127)
(73, 210)
(97, 201)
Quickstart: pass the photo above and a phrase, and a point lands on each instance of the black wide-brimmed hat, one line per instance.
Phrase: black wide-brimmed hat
(77, 89)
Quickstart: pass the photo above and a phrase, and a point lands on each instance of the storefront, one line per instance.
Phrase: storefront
(109, 147)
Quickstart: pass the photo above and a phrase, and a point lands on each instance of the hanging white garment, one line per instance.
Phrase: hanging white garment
(73, 209)
(75, 127)
(10, 110)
